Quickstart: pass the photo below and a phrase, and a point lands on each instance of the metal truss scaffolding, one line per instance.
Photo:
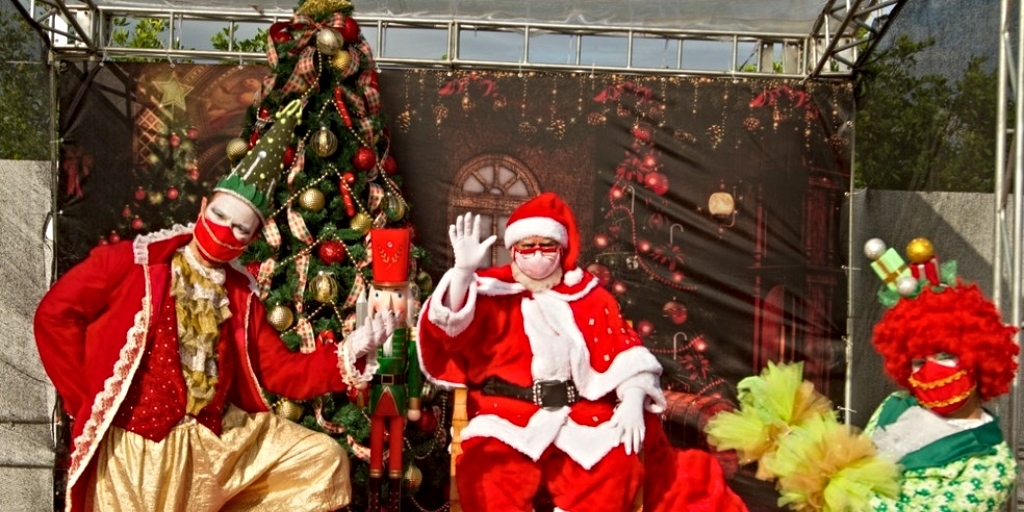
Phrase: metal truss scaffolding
(1009, 201)
(840, 39)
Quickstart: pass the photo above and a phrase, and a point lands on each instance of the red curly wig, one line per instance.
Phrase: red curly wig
(957, 320)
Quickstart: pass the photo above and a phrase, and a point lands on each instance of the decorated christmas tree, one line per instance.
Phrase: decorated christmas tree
(167, 170)
(313, 262)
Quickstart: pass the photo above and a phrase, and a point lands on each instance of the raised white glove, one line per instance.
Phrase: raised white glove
(629, 416)
(465, 238)
(469, 251)
(376, 329)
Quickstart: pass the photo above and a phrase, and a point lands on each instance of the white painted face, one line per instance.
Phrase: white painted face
(228, 210)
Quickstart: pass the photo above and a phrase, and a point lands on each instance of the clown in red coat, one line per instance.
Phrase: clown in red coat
(160, 350)
(558, 382)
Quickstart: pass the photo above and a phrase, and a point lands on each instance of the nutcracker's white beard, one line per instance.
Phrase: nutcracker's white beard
(536, 285)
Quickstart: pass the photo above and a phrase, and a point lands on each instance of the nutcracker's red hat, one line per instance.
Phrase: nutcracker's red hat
(390, 247)
(546, 215)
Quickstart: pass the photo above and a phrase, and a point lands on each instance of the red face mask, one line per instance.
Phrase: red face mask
(217, 243)
(941, 388)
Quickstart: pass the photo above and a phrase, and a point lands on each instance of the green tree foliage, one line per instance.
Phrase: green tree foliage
(24, 86)
(227, 39)
(923, 131)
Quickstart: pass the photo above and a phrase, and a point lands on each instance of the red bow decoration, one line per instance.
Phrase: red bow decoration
(799, 99)
(78, 166)
(485, 87)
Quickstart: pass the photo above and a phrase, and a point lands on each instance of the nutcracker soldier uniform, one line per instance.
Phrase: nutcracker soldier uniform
(397, 382)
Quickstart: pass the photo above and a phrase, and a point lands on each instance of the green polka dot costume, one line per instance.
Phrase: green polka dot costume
(970, 471)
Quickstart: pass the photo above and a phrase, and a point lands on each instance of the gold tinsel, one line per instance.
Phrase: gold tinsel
(319, 8)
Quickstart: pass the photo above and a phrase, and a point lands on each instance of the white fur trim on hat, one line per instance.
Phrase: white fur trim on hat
(535, 226)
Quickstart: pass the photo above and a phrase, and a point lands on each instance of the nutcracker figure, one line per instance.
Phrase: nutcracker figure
(397, 383)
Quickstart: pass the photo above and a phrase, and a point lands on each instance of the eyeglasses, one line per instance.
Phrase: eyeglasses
(543, 248)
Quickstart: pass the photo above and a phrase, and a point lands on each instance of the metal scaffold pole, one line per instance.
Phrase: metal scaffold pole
(1009, 206)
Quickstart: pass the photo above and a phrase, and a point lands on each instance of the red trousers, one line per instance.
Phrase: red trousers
(494, 477)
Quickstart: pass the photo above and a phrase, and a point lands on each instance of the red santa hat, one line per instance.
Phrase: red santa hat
(548, 216)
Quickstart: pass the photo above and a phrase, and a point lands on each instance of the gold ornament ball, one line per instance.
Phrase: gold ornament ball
(412, 478)
(920, 250)
(312, 199)
(237, 148)
(288, 410)
(394, 207)
(324, 288)
(361, 223)
(280, 317)
(324, 143)
(341, 60)
(328, 41)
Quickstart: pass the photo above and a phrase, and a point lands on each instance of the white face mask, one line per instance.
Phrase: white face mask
(537, 264)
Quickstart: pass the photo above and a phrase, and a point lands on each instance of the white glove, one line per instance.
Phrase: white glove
(373, 333)
(465, 238)
(470, 252)
(629, 416)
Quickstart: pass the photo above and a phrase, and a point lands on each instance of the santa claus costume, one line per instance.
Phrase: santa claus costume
(545, 370)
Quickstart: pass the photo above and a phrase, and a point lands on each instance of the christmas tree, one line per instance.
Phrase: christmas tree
(169, 169)
(312, 264)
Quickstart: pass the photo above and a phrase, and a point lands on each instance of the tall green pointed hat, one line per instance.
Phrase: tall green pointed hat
(254, 177)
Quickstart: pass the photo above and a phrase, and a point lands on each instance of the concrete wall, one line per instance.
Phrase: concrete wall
(26, 396)
(961, 228)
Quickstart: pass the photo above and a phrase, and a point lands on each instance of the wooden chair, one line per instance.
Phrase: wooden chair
(459, 420)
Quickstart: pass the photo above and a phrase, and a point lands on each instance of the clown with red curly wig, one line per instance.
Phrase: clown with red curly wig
(946, 345)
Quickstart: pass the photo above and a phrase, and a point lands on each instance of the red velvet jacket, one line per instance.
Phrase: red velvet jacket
(93, 325)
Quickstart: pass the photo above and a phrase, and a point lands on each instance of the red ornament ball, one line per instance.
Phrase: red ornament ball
(102, 241)
(137, 224)
(657, 183)
(676, 312)
(390, 166)
(140, 194)
(264, 113)
(193, 174)
(350, 30)
(279, 32)
(253, 267)
(192, 133)
(644, 328)
(114, 237)
(289, 156)
(127, 212)
(427, 421)
(331, 252)
(175, 140)
(172, 193)
(365, 159)
(601, 272)
(642, 132)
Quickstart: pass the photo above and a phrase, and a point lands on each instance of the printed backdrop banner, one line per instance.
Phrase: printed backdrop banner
(709, 207)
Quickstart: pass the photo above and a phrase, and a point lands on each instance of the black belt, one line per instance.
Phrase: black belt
(549, 394)
(388, 378)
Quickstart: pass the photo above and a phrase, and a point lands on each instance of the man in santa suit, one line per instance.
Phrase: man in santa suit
(558, 382)
(160, 350)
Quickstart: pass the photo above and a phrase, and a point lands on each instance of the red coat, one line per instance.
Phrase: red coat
(572, 331)
(93, 325)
